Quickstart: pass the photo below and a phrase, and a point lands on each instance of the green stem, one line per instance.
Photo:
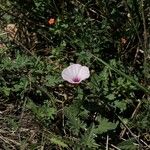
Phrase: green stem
(121, 73)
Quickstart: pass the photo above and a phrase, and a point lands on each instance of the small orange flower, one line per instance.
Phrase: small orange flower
(51, 21)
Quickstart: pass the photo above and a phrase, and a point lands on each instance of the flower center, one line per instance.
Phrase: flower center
(76, 79)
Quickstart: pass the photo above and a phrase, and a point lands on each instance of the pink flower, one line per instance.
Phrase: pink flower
(75, 73)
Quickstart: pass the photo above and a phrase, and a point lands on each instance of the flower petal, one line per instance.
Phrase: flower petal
(75, 73)
(71, 71)
(84, 73)
(74, 69)
(66, 75)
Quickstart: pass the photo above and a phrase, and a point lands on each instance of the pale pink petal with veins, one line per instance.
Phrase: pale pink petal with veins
(75, 73)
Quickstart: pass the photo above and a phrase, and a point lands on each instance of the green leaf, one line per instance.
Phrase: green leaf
(58, 142)
(74, 122)
(122, 105)
(52, 80)
(105, 125)
(5, 90)
(128, 145)
(111, 97)
(88, 139)
(42, 112)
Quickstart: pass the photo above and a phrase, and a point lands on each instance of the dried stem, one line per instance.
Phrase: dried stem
(146, 48)
(133, 114)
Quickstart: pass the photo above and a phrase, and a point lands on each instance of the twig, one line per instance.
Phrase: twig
(107, 140)
(146, 50)
(23, 110)
(145, 143)
(133, 114)
(20, 44)
(7, 140)
(127, 128)
(144, 26)
(115, 147)
(3, 131)
(136, 109)
(63, 118)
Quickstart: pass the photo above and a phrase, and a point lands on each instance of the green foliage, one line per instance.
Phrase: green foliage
(122, 105)
(44, 113)
(107, 36)
(128, 145)
(58, 142)
(88, 138)
(141, 122)
(12, 122)
(22, 73)
(73, 113)
(51, 80)
(105, 125)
